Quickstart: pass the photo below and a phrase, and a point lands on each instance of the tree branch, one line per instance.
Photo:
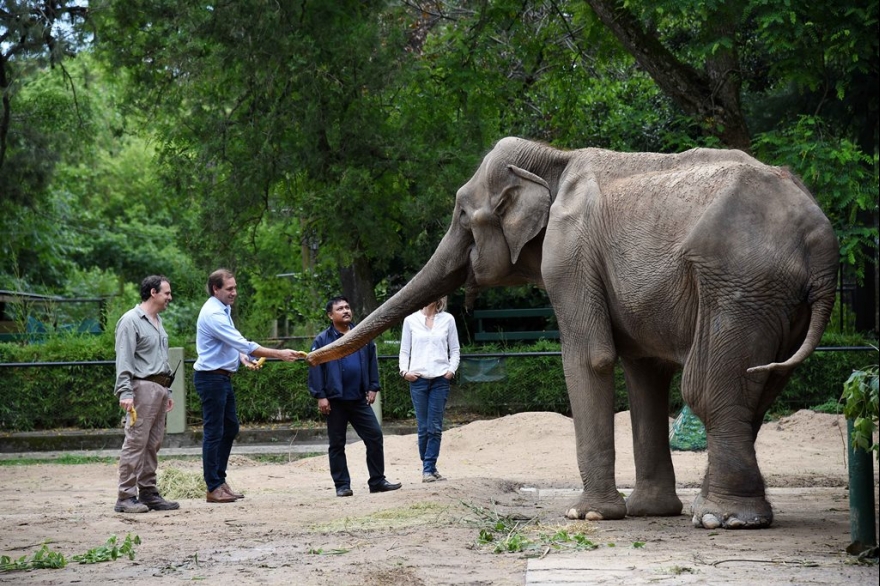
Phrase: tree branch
(711, 97)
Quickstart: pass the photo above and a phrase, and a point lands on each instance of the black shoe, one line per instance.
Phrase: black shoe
(130, 505)
(156, 503)
(344, 491)
(385, 486)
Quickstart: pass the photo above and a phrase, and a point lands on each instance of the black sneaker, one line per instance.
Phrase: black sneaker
(344, 491)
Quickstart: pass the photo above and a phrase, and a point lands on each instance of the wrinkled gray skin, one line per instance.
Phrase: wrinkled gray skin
(706, 261)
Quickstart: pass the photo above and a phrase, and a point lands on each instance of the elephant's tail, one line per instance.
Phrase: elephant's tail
(820, 313)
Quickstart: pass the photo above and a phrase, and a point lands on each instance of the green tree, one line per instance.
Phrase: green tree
(33, 35)
(285, 114)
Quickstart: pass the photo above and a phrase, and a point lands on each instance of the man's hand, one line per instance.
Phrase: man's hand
(371, 397)
(324, 406)
(248, 363)
(288, 355)
(170, 405)
(126, 404)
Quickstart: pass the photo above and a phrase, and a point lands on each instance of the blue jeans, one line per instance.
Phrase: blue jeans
(365, 424)
(219, 424)
(429, 400)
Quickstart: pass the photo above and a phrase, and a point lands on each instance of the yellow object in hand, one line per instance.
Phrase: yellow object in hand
(134, 415)
(261, 361)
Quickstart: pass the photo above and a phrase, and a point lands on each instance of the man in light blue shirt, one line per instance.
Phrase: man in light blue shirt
(221, 348)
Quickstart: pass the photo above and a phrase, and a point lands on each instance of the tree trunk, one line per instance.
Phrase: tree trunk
(357, 286)
(711, 96)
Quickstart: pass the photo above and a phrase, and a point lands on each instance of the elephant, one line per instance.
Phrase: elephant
(707, 262)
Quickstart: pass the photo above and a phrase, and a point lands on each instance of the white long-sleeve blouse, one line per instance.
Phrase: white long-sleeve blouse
(429, 352)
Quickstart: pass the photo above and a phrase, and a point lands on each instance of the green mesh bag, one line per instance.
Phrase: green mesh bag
(687, 434)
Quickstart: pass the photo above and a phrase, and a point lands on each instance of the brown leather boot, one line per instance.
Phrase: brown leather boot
(228, 489)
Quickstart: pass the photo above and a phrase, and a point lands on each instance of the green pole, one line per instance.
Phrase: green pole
(861, 497)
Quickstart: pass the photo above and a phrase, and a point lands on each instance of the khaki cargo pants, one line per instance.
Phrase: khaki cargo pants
(139, 458)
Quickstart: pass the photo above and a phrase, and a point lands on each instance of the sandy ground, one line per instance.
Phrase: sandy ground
(520, 469)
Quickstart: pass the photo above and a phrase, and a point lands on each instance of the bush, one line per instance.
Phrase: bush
(59, 396)
(531, 383)
(36, 398)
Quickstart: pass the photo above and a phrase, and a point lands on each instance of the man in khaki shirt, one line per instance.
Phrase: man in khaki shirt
(143, 381)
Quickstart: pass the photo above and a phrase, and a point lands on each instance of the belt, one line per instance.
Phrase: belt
(222, 371)
(164, 380)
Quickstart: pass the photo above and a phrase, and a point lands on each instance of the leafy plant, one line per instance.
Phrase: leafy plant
(110, 551)
(505, 534)
(46, 558)
(860, 404)
(42, 558)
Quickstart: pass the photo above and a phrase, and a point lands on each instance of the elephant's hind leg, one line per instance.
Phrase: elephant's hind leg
(742, 513)
(731, 404)
(654, 494)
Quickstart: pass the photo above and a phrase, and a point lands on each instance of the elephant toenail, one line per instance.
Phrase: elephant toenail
(710, 521)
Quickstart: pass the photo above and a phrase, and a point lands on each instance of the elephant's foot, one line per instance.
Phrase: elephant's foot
(741, 513)
(653, 503)
(592, 509)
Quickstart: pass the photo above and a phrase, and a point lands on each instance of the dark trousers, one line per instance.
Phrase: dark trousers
(219, 424)
(361, 417)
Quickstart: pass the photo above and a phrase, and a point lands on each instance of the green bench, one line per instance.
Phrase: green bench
(495, 325)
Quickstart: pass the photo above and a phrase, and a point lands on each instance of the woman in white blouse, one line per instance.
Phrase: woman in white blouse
(429, 357)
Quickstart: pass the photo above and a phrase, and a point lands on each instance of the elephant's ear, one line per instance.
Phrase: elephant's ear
(523, 207)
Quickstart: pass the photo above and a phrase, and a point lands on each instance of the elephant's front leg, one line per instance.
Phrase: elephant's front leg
(589, 376)
(648, 384)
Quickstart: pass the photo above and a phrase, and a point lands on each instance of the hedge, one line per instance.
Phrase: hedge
(81, 396)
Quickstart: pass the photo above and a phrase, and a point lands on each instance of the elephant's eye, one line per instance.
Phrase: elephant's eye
(464, 220)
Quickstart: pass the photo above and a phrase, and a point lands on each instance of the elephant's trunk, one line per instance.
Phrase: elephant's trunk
(443, 274)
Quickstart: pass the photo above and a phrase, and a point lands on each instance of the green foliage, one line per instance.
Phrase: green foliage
(819, 378)
(82, 396)
(42, 558)
(46, 558)
(505, 534)
(59, 396)
(841, 176)
(343, 145)
(64, 460)
(860, 404)
(530, 383)
(110, 551)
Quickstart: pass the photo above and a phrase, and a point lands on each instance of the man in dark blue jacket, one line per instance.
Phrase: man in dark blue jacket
(345, 389)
